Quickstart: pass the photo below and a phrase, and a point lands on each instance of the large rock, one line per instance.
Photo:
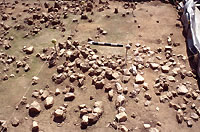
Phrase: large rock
(45, 94)
(179, 116)
(194, 116)
(154, 65)
(84, 121)
(121, 117)
(35, 80)
(120, 100)
(125, 79)
(98, 104)
(119, 88)
(139, 79)
(35, 126)
(123, 128)
(58, 113)
(110, 94)
(28, 50)
(93, 118)
(165, 69)
(182, 89)
(108, 87)
(98, 110)
(133, 70)
(34, 108)
(49, 102)
(100, 84)
(115, 75)
(69, 97)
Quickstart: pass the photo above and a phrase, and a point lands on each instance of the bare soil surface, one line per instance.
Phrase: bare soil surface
(150, 24)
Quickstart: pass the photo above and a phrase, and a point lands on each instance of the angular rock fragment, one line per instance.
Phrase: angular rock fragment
(93, 118)
(179, 116)
(123, 128)
(59, 115)
(28, 50)
(84, 122)
(35, 80)
(119, 88)
(45, 94)
(120, 100)
(139, 79)
(57, 92)
(121, 117)
(69, 97)
(110, 95)
(154, 65)
(182, 89)
(194, 116)
(165, 69)
(99, 84)
(49, 102)
(35, 126)
(147, 126)
(34, 109)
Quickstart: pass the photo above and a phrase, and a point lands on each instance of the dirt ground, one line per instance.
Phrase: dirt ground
(149, 24)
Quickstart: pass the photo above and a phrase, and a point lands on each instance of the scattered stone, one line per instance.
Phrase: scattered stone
(84, 17)
(153, 130)
(69, 97)
(108, 87)
(35, 94)
(85, 120)
(57, 91)
(26, 68)
(115, 75)
(194, 116)
(49, 102)
(98, 110)
(82, 106)
(179, 116)
(123, 128)
(35, 126)
(133, 70)
(125, 79)
(116, 10)
(165, 69)
(189, 123)
(28, 50)
(182, 89)
(120, 100)
(45, 94)
(171, 78)
(35, 80)
(154, 65)
(58, 113)
(119, 88)
(110, 95)
(121, 117)
(15, 122)
(93, 118)
(139, 79)
(100, 84)
(147, 126)
(98, 104)
(34, 108)
(147, 96)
